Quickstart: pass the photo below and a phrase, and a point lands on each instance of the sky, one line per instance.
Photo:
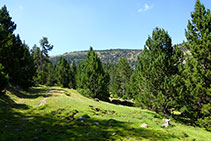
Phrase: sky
(75, 25)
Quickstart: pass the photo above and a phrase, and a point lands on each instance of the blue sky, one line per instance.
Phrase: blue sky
(73, 25)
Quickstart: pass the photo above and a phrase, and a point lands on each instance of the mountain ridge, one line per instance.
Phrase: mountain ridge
(106, 56)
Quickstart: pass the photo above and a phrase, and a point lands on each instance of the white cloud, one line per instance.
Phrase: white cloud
(146, 8)
(140, 10)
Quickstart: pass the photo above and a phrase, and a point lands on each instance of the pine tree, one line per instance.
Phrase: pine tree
(14, 55)
(72, 83)
(63, 72)
(51, 79)
(122, 78)
(110, 69)
(93, 79)
(3, 80)
(197, 70)
(7, 40)
(46, 46)
(41, 60)
(80, 75)
(134, 85)
(157, 65)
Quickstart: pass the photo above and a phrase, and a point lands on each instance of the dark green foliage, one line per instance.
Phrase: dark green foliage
(51, 75)
(92, 78)
(27, 67)
(45, 46)
(40, 54)
(14, 55)
(122, 79)
(110, 69)
(41, 61)
(3, 80)
(72, 83)
(80, 75)
(157, 66)
(134, 85)
(7, 42)
(6, 21)
(63, 72)
(196, 95)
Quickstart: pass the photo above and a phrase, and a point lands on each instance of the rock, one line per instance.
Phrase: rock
(97, 123)
(80, 118)
(166, 123)
(113, 134)
(96, 99)
(144, 125)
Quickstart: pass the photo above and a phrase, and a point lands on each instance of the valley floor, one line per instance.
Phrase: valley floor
(53, 113)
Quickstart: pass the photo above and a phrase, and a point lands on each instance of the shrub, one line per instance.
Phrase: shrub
(3, 79)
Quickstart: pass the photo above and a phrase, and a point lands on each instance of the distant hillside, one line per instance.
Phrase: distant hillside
(107, 56)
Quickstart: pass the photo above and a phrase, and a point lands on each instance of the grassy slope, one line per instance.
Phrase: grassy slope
(51, 114)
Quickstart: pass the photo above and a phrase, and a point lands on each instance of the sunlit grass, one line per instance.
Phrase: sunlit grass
(52, 113)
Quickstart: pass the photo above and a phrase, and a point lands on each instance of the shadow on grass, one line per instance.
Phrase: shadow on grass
(60, 126)
(31, 94)
(184, 120)
(119, 102)
(63, 124)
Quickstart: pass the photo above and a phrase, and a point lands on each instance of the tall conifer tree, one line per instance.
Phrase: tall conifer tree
(93, 78)
(157, 65)
(197, 70)
(122, 78)
(63, 72)
(14, 55)
(73, 76)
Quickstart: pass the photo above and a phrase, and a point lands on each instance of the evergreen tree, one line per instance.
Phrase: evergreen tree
(3, 80)
(46, 46)
(93, 79)
(197, 70)
(80, 75)
(63, 72)
(41, 60)
(133, 85)
(51, 75)
(27, 67)
(110, 69)
(72, 83)
(122, 78)
(157, 66)
(14, 55)
(7, 40)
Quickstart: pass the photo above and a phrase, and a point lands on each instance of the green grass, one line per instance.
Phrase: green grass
(51, 113)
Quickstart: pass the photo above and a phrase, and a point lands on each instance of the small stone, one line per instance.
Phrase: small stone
(80, 118)
(144, 125)
(97, 123)
(113, 134)
(96, 99)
